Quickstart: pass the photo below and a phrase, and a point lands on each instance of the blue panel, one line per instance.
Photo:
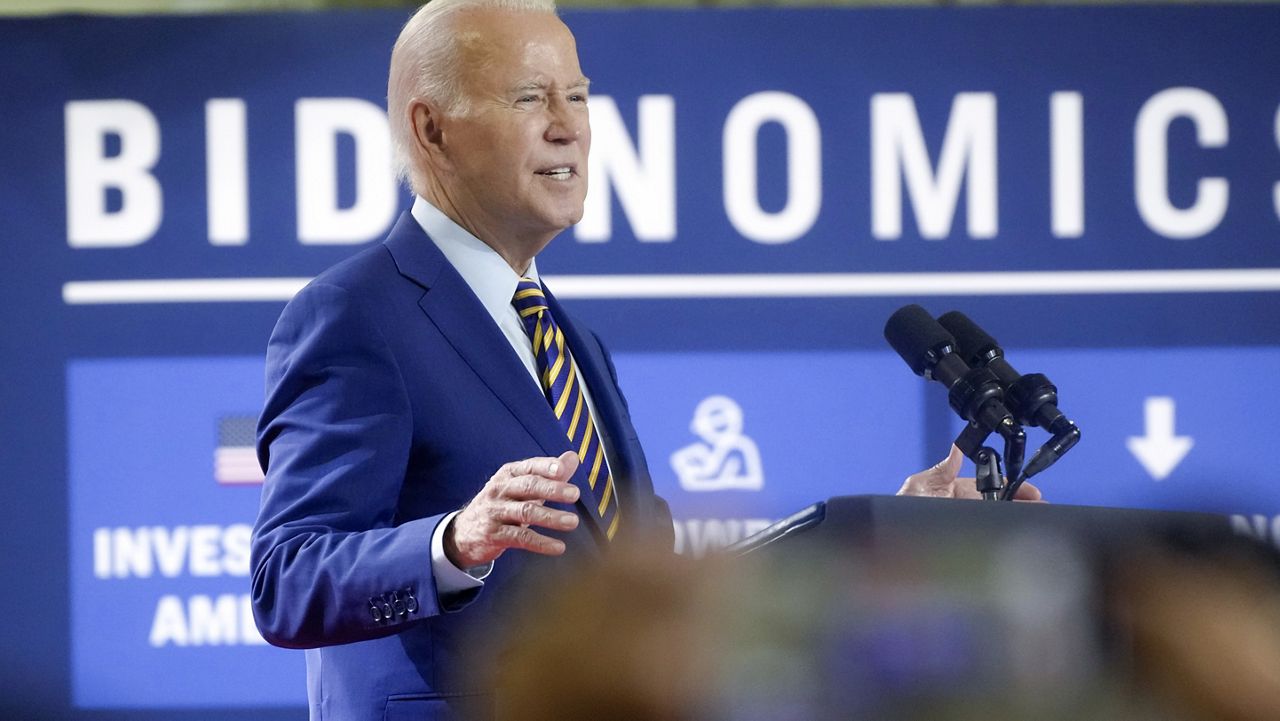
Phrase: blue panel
(1217, 395)
(159, 548)
(827, 409)
(823, 424)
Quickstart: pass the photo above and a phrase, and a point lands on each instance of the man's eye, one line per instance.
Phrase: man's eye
(577, 98)
(528, 99)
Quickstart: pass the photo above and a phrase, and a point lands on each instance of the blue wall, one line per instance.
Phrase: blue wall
(767, 187)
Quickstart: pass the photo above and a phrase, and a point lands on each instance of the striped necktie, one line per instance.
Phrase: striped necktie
(563, 389)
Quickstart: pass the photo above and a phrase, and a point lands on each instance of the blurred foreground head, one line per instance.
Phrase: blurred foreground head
(631, 641)
(1204, 631)
(933, 630)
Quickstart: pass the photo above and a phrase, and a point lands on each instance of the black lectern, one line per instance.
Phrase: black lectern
(916, 609)
(924, 608)
(869, 521)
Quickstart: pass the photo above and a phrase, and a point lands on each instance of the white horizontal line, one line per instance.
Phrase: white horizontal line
(761, 285)
(180, 290)
(241, 480)
(813, 285)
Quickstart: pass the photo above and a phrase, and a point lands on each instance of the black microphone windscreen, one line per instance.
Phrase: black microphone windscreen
(972, 342)
(913, 333)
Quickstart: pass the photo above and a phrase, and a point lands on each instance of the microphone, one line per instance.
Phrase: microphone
(1032, 398)
(974, 393)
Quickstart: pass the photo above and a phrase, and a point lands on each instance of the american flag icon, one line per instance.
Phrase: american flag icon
(235, 462)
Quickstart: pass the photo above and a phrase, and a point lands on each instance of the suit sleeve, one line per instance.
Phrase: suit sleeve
(331, 561)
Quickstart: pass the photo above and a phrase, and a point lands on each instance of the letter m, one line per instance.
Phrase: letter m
(898, 154)
(213, 621)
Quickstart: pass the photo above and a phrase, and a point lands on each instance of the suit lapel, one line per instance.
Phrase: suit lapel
(462, 320)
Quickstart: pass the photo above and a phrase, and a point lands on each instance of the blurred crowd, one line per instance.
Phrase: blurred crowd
(1035, 626)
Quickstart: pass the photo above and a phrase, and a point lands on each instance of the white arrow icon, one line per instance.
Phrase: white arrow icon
(1160, 451)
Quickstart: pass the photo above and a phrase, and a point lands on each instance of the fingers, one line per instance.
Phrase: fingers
(938, 481)
(560, 468)
(965, 488)
(485, 529)
(502, 514)
(950, 466)
(529, 540)
(535, 479)
(532, 488)
(1028, 492)
(528, 513)
(567, 464)
(470, 543)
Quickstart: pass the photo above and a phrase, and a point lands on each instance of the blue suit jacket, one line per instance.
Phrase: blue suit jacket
(392, 397)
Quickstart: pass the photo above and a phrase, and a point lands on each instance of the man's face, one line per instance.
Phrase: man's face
(519, 156)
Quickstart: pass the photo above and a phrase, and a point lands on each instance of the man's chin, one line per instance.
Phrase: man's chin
(564, 218)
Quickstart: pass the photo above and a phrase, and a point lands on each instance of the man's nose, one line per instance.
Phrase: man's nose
(567, 121)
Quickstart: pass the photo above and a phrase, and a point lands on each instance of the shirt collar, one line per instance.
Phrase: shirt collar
(485, 272)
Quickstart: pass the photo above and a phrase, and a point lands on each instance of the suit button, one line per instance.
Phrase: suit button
(386, 608)
(410, 602)
(397, 604)
(373, 611)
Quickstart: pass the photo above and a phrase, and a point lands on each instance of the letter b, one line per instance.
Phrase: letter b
(90, 173)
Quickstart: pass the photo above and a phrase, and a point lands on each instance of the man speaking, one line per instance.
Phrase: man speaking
(431, 405)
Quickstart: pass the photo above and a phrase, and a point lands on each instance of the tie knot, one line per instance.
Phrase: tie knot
(529, 299)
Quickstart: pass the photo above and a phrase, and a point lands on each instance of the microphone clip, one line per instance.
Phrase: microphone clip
(990, 477)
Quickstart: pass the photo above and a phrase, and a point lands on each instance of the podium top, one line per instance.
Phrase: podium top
(863, 521)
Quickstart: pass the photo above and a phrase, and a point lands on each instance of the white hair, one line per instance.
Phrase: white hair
(425, 64)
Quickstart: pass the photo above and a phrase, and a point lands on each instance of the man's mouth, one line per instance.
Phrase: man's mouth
(563, 172)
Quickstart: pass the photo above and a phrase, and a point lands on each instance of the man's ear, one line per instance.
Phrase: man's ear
(428, 131)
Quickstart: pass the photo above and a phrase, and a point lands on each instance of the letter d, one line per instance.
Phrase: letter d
(90, 172)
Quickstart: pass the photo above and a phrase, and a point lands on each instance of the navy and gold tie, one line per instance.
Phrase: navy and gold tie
(563, 389)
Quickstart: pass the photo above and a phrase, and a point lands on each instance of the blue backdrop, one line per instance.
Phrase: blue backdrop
(1098, 187)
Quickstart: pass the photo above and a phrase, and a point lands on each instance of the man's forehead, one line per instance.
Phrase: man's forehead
(542, 82)
(508, 29)
(504, 51)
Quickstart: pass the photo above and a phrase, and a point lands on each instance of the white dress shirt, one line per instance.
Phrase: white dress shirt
(494, 283)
